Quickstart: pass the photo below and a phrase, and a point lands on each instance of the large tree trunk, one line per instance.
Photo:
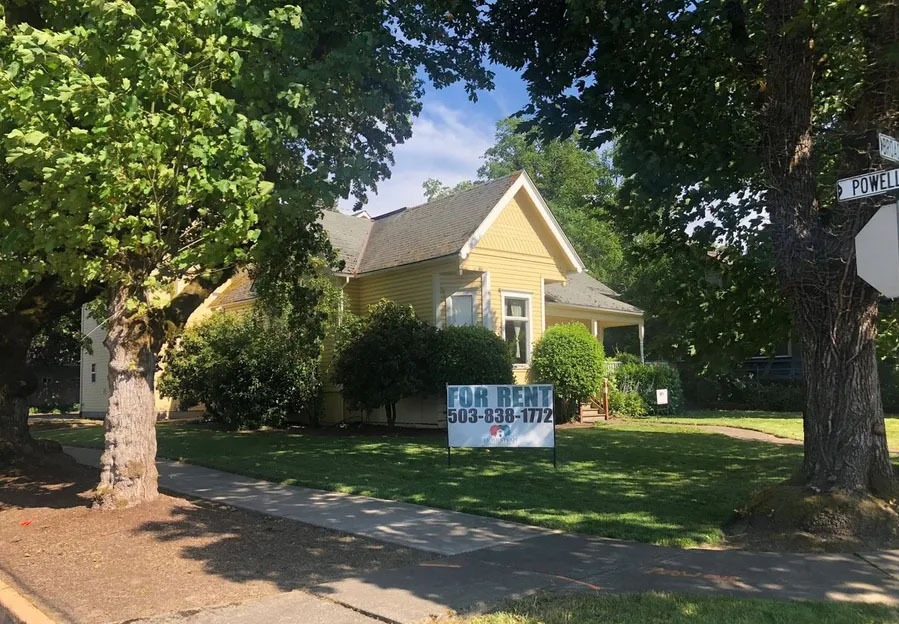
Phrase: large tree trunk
(36, 305)
(128, 473)
(834, 311)
(16, 384)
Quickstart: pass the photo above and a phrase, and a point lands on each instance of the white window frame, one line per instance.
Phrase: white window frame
(511, 294)
(464, 292)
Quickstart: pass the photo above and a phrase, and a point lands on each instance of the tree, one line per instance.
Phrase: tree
(27, 310)
(173, 141)
(577, 184)
(390, 355)
(740, 116)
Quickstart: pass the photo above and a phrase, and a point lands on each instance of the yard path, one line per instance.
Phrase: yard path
(732, 432)
(489, 561)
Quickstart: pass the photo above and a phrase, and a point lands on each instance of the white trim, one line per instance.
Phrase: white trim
(524, 182)
(595, 328)
(462, 292)
(435, 292)
(642, 333)
(486, 311)
(592, 309)
(511, 294)
(542, 305)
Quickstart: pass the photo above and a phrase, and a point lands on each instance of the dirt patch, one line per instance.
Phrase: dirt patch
(792, 518)
(168, 555)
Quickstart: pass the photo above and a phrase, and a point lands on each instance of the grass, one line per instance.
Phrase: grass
(781, 424)
(680, 609)
(664, 485)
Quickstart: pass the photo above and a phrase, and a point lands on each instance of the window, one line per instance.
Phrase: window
(93, 373)
(460, 309)
(516, 326)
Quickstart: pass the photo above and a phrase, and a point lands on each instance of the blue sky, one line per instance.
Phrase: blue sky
(448, 140)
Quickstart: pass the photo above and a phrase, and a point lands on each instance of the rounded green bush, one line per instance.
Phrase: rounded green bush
(572, 359)
(473, 355)
(248, 371)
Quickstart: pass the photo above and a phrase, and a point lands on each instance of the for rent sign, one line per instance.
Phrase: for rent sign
(500, 415)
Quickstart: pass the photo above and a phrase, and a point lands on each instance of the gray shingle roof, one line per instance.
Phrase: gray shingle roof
(432, 230)
(240, 293)
(348, 235)
(585, 291)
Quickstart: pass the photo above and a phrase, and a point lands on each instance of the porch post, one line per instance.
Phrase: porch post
(595, 328)
(642, 333)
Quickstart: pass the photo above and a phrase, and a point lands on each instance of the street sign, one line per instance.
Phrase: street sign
(877, 251)
(868, 185)
(889, 147)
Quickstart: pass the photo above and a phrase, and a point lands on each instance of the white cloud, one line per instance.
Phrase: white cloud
(446, 144)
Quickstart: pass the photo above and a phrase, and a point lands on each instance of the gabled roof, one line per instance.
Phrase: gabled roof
(348, 235)
(584, 291)
(442, 227)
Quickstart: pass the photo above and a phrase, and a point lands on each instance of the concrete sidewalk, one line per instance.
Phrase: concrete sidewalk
(489, 561)
(577, 563)
(425, 528)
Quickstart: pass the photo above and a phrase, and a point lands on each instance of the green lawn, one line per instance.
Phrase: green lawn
(782, 424)
(680, 609)
(659, 484)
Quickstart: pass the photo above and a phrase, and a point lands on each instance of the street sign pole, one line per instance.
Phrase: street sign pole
(877, 244)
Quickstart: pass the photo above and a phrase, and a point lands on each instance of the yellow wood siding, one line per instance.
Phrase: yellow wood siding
(409, 285)
(520, 254)
(558, 320)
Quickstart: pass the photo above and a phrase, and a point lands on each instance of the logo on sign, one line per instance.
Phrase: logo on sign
(498, 432)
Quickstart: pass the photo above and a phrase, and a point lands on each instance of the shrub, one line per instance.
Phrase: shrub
(571, 358)
(473, 355)
(248, 371)
(644, 379)
(626, 404)
(742, 391)
(385, 357)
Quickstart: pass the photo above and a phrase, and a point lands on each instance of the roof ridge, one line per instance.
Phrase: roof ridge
(477, 186)
(363, 246)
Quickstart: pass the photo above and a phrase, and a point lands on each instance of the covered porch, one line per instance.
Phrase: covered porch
(584, 299)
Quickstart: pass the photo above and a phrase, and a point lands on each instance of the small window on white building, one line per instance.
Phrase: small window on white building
(93, 373)
(516, 327)
(460, 309)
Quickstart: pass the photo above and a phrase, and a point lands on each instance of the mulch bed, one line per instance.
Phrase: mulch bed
(167, 555)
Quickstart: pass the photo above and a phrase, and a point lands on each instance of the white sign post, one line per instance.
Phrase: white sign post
(889, 147)
(500, 416)
(868, 185)
(877, 251)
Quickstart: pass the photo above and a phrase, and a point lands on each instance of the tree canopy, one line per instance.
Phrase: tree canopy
(734, 120)
(146, 143)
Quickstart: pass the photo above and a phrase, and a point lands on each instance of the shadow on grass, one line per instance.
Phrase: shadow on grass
(663, 486)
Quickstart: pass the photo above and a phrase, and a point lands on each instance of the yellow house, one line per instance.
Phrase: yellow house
(493, 255)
